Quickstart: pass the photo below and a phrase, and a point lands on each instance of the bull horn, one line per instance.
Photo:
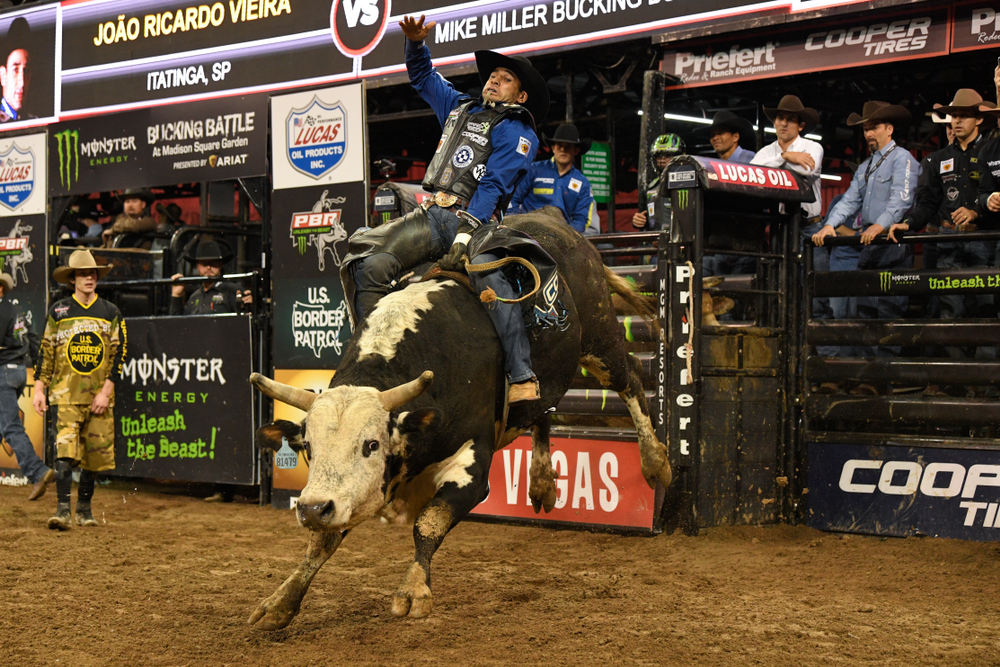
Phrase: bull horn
(404, 393)
(297, 398)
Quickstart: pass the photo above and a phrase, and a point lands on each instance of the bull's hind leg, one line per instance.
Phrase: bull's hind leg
(464, 483)
(278, 610)
(543, 487)
(623, 373)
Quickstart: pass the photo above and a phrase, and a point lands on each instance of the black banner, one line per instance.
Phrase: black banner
(213, 140)
(23, 250)
(312, 323)
(880, 283)
(183, 408)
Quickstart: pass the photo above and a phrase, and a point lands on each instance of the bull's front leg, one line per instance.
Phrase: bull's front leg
(543, 486)
(465, 484)
(278, 610)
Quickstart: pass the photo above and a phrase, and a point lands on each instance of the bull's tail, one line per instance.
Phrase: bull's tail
(643, 306)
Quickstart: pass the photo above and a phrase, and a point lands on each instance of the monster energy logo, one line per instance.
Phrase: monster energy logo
(68, 143)
(885, 280)
(682, 198)
(302, 241)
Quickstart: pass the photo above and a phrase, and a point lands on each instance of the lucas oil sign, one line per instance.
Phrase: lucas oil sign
(22, 175)
(316, 138)
(905, 491)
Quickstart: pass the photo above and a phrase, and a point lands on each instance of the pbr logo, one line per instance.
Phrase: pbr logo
(15, 252)
(316, 138)
(358, 25)
(17, 176)
(321, 227)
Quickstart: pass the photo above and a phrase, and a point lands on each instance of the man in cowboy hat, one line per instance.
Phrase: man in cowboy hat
(485, 149)
(18, 342)
(882, 192)
(135, 218)
(215, 296)
(948, 199)
(15, 71)
(793, 151)
(732, 137)
(557, 182)
(82, 353)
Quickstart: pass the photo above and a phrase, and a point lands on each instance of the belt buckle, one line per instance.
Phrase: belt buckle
(445, 200)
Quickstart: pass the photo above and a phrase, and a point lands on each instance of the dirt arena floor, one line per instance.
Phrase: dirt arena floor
(170, 580)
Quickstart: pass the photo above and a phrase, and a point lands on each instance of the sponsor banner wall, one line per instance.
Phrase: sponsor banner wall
(854, 40)
(183, 408)
(319, 137)
(22, 254)
(22, 175)
(905, 491)
(28, 44)
(310, 228)
(977, 26)
(212, 140)
(34, 425)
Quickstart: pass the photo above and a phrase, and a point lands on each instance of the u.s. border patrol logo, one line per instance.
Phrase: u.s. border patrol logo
(316, 137)
(17, 176)
(463, 156)
(85, 352)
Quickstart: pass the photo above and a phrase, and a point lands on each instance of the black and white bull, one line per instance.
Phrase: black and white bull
(383, 444)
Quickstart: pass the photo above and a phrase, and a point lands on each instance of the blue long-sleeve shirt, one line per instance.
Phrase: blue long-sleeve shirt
(543, 186)
(885, 195)
(509, 161)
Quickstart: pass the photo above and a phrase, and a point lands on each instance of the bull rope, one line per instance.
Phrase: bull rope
(488, 295)
(689, 346)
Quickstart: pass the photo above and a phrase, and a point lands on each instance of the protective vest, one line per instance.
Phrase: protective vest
(466, 144)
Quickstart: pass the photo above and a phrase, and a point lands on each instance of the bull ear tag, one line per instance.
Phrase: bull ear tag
(285, 458)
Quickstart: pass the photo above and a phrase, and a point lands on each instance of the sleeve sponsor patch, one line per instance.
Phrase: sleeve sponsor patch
(947, 166)
(523, 146)
(575, 184)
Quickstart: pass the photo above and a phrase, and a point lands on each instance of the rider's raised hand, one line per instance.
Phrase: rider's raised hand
(414, 29)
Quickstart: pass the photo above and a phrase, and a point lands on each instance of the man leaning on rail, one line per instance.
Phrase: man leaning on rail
(882, 190)
(485, 149)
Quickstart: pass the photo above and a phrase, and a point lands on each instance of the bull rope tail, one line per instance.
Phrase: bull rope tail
(488, 295)
(689, 346)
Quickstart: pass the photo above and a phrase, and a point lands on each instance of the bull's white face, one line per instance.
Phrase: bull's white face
(347, 431)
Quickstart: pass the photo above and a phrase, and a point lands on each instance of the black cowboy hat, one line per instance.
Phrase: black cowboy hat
(881, 112)
(792, 104)
(171, 213)
(567, 133)
(531, 81)
(727, 121)
(138, 193)
(88, 210)
(209, 251)
(18, 37)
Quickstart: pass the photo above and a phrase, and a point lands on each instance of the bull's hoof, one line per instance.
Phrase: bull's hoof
(542, 490)
(413, 598)
(653, 473)
(272, 614)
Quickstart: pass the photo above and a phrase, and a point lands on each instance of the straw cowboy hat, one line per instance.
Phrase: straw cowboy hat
(531, 81)
(567, 133)
(966, 101)
(80, 260)
(880, 112)
(727, 121)
(8, 283)
(792, 104)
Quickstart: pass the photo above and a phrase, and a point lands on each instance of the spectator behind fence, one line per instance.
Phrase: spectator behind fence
(18, 343)
(664, 148)
(792, 151)
(882, 190)
(135, 218)
(214, 296)
(948, 197)
(557, 182)
(81, 358)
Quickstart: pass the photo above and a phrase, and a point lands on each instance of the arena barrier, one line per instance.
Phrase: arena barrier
(904, 462)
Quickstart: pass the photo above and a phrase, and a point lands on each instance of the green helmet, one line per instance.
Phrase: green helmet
(666, 144)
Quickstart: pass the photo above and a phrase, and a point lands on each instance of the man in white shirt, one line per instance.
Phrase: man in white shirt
(793, 151)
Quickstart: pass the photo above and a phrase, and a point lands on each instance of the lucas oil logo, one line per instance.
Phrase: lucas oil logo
(316, 137)
(17, 176)
(358, 25)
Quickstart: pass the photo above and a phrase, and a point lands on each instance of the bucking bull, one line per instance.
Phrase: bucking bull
(409, 425)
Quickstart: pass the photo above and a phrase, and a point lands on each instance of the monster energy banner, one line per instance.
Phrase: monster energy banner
(183, 406)
(311, 227)
(213, 140)
(877, 283)
(22, 255)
